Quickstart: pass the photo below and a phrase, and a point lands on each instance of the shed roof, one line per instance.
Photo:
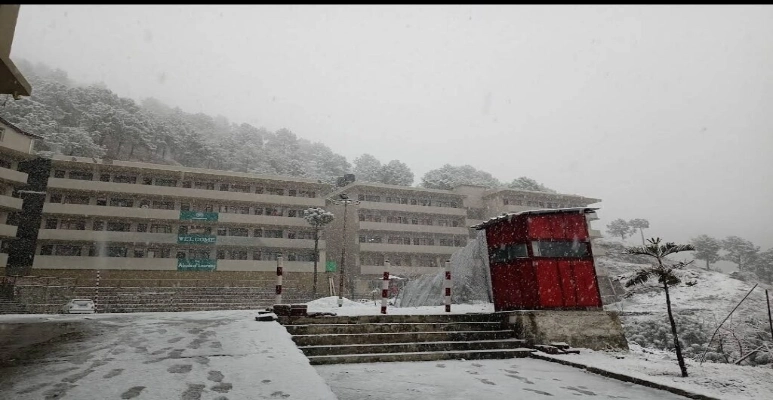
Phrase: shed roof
(508, 216)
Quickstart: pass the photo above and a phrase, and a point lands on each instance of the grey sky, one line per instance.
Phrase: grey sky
(661, 111)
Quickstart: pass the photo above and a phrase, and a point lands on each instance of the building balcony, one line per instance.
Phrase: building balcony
(406, 248)
(72, 235)
(399, 271)
(181, 193)
(10, 203)
(382, 226)
(162, 264)
(13, 177)
(373, 205)
(7, 231)
(85, 210)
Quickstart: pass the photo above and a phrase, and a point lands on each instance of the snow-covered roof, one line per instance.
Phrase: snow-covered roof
(493, 192)
(508, 216)
(394, 188)
(19, 130)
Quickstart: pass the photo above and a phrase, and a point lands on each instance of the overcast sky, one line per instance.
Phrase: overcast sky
(663, 112)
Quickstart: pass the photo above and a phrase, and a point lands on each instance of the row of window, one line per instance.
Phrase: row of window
(409, 220)
(166, 252)
(171, 182)
(540, 204)
(123, 226)
(274, 211)
(510, 252)
(400, 260)
(414, 201)
(418, 241)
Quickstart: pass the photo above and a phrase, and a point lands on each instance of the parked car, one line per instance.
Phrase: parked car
(79, 306)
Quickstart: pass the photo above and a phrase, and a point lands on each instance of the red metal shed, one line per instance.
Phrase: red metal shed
(542, 259)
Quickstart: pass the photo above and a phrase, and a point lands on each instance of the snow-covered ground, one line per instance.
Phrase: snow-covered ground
(330, 305)
(723, 381)
(518, 378)
(191, 355)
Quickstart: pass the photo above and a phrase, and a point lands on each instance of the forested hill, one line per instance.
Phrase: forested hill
(93, 121)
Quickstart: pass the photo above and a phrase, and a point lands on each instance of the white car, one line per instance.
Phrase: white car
(79, 306)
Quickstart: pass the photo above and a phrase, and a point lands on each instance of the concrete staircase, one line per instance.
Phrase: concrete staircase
(170, 299)
(387, 338)
(8, 306)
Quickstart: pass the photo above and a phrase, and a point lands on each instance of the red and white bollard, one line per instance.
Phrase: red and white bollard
(96, 294)
(279, 266)
(447, 286)
(385, 289)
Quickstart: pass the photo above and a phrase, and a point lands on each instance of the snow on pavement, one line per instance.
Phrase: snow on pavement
(517, 378)
(189, 355)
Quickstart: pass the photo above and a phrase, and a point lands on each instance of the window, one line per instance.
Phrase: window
(442, 222)
(259, 189)
(158, 228)
(166, 182)
(292, 213)
(139, 253)
(307, 193)
(147, 180)
(424, 241)
(92, 251)
(104, 177)
(221, 254)
(274, 233)
(6, 164)
(182, 230)
(244, 210)
(274, 212)
(52, 223)
(116, 251)
(142, 227)
(185, 206)
(47, 250)
(72, 199)
(2, 134)
(257, 233)
(372, 198)
(159, 253)
(291, 235)
(360, 197)
(59, 173)
(209, 208)
(125, 179)
(238, 254)
(180, 254)
(508, 252)
(239, 232)
(187, 184)
(74, 224)
(560, 249)
(223, 187)
(222, 232)
(82, 175)
(67, 250)
(446, 242)
(121, 202)
(306, 235)
(204, 185)
(276, 191)
(199, 254)
(56, 198)
(163, 205)
(101, 201)
(258, 210)
(414, 202)
(292, 193)
(116, 226)
(98, 226)
(240, 188)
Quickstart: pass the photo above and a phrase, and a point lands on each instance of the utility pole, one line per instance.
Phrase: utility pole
(345, 200)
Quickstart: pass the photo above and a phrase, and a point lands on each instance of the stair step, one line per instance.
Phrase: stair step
(403, 337)
(365, 319)
(416, 347)
(421, 356)
(391, 327)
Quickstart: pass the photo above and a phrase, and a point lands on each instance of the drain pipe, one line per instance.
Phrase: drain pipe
(385, 289)
(279, 266)
(447, 286)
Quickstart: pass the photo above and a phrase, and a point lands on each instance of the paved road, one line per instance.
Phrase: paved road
(521, 378)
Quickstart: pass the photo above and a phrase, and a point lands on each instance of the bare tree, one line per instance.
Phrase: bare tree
(665, 274)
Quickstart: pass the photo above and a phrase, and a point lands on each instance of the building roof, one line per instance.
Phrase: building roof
(508, 216)
(59, 159)
(395, 188)
(496, 191)
(19, 130)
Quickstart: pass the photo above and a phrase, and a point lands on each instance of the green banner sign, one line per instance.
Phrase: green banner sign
(196, 239)
(197, 216)
(188, 264)
(330, 266)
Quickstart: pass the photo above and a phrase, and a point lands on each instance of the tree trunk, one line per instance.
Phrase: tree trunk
(641, 231)
(316, 260)
(131, 152)
(679, 357)
(707, 265)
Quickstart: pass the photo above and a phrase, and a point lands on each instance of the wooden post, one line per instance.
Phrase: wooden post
(770, 320)
(279, 267)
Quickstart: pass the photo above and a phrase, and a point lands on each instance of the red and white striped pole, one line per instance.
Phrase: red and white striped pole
(447, 286)
(279, 266)
(96, 294)
(385, 289)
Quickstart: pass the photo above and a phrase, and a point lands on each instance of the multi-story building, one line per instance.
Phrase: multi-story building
(15, 147)
(417, 229)
(129, 216)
